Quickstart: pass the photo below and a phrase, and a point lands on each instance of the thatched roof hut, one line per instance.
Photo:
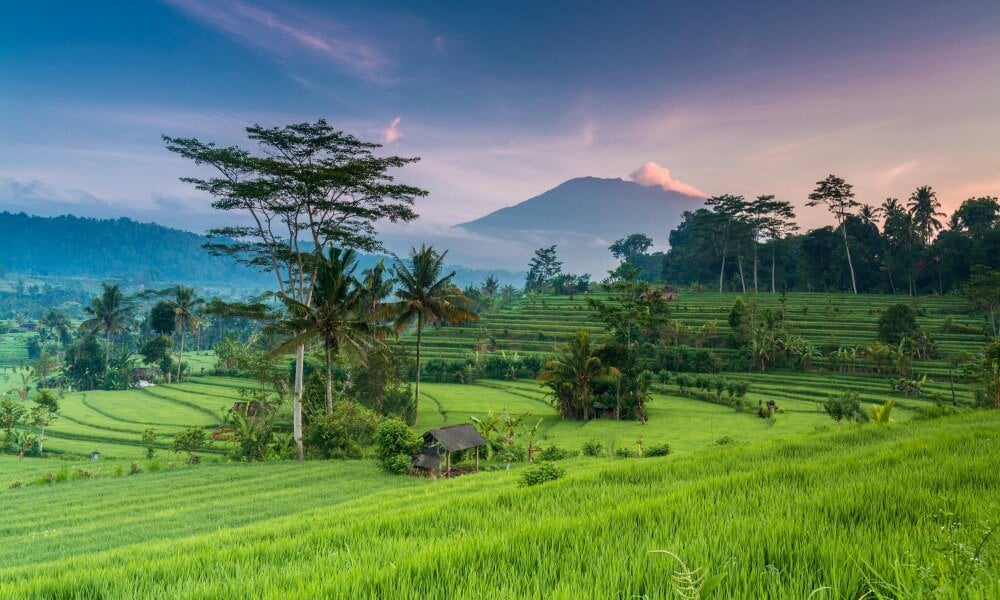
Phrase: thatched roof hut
(445, 440)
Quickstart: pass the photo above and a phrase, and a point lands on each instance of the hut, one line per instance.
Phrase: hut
(445, 440)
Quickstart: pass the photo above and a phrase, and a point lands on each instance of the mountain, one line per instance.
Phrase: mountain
(584, 215)
(134, 252)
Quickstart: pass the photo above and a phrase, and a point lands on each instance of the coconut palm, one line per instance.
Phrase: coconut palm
(110, 313)
(925, 209)
(569, 376)
(186, 304)
(491, 286)
(377, 285)
(339, 315)
(426, 297)
(57, 323)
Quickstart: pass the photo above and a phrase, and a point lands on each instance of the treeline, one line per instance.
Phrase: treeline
(893, 248)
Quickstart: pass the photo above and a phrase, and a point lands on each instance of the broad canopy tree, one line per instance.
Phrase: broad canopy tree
(307, 188)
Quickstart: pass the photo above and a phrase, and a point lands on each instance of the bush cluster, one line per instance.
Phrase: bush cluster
(541, 473)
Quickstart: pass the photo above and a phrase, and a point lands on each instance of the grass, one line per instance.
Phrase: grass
(836, 514)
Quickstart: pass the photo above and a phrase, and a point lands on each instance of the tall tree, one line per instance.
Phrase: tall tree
(491, 286)
(186, 304)
(543, 267)
(110, 313)
(731, 229)
(925, 210)
(779, 221)
(425, 296)
(630, 247)
(310, 187)
(838, 197)
(338, 316)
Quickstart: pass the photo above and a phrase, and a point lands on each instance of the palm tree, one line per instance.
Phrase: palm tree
(57, 322)
(426, 297)
(377, 285)
(569, 376)
(186, 303)
(339, 315)
(111, 312)
(925, 209)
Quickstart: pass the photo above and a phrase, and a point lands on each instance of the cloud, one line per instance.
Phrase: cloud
(287, 36)
(895, 171)
(392, 133)
(651, 174)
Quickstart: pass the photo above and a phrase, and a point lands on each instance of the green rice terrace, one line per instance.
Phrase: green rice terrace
(700, 500)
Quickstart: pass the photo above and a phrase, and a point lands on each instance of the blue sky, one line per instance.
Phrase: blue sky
(504, 100)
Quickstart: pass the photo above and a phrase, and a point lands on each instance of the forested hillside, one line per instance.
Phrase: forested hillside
(71, 246)
(134, 252)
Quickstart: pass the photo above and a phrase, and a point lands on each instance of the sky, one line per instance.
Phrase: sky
(503, 101)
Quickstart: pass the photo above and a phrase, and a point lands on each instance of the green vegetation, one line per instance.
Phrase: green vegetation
(785, 520)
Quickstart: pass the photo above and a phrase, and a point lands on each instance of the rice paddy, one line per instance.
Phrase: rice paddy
(882, 511)
(795, 508)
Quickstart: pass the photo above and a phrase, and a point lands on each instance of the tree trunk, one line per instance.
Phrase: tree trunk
(743, 282)
(722, 271)
(892, 284)
(300, 356)
(773, 287)
(850, 263)
(41, 440)
(416, 396)
(755, 267)
(329, 381)
(180, 357)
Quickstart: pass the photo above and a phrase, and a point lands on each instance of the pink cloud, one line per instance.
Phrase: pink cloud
(392, 133)
(651, 174)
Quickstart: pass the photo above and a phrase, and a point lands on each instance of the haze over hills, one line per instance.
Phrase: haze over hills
(141, 253)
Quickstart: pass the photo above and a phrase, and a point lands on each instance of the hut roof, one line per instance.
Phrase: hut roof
(456, 437)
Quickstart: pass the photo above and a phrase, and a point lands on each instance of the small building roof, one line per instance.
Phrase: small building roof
(456, 437)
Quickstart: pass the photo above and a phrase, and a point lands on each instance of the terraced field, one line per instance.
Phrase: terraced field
(827, 320)
(873, 511)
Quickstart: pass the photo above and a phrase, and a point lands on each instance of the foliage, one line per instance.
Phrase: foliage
(543, 268)
(192, 440)
(569, 377)
(881, 414)
(986, 372)
(425, 296)
(845, 406)
(541, 473)
(395, 444)
(899, 321)
(593, 448)
(657, 450)
(344, 433)
(149, 436)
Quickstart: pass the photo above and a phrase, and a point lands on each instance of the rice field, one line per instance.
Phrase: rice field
(873, 511)
(537, 325)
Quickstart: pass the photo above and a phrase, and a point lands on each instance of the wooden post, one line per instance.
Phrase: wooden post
(477, 459)
(447, 458)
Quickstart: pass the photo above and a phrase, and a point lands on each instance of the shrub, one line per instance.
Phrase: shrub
(344, 433)
(14, 484)
(658, 450)
(395, 444)
(935, 411)
(593, 448)
(897, 322)
(625, 453)
(511, 454)
(846, 406)
(191, 440)
(555, 453)
(725, 440)
(134, 469)
(541, 473)
(149, 436)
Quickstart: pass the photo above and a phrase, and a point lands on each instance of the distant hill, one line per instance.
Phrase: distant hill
(123, 249)
(585, 214)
